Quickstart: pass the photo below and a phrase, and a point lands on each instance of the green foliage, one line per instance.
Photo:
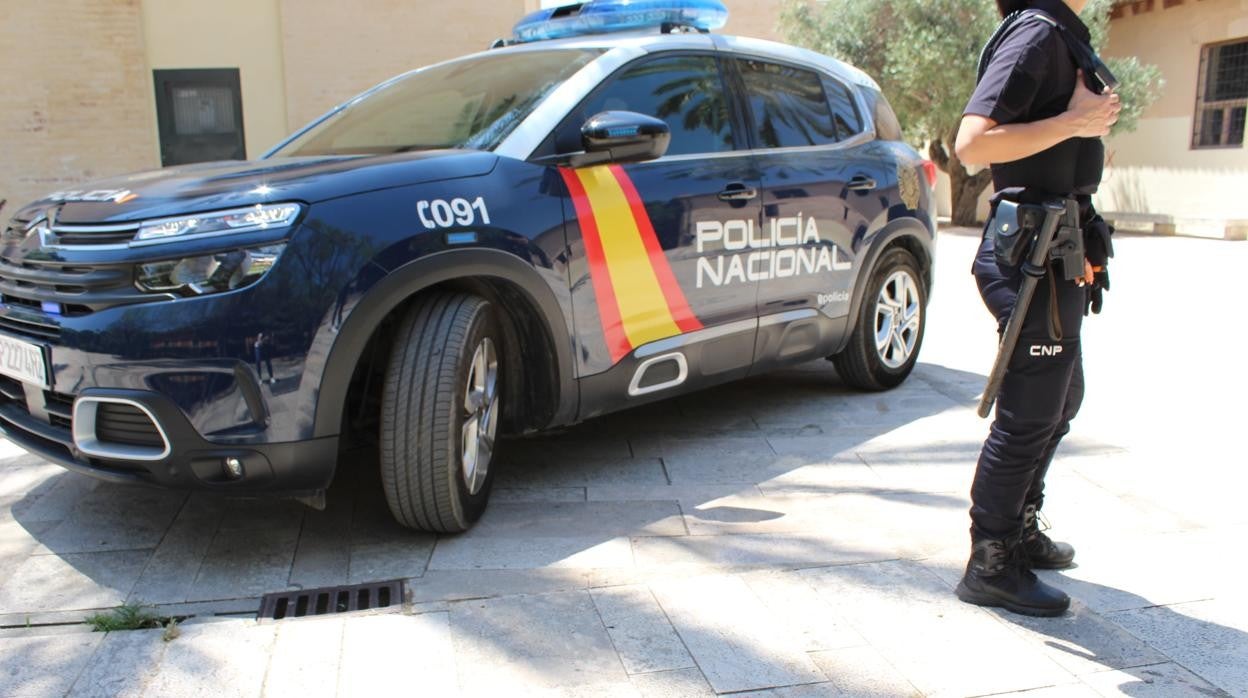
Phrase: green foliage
(924, 54)
(127, 617)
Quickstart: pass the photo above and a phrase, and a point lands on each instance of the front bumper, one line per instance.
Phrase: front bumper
(178, 457)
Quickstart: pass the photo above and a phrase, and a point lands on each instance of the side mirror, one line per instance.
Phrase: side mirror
(622, 136)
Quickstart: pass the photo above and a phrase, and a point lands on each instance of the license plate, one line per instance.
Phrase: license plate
(23, 361)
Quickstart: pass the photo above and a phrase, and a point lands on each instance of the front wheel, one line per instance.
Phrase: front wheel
(440, 412)
(885, 342)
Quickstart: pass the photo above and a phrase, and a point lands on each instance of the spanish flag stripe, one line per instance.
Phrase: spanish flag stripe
(676, 302)
(608, 310)
(642, 303)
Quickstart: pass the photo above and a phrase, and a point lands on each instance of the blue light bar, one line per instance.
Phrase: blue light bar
(606, 16)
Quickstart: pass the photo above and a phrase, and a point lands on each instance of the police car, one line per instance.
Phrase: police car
(613, 207)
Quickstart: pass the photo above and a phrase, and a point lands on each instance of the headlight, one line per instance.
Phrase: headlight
(239, 220)
(214, 273)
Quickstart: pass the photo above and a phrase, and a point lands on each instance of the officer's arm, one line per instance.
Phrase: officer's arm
(982, 141)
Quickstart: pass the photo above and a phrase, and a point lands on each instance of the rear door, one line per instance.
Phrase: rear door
(651, 269)
(820, 197)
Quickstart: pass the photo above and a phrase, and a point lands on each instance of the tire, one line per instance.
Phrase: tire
(895, 299)
(429, 407)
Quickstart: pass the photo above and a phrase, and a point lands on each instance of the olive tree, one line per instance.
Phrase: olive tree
(924, 54)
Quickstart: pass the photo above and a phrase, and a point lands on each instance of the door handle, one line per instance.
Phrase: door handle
(862, 183)
(738, 192)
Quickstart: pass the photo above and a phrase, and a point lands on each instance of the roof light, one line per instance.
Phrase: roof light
(606, 16)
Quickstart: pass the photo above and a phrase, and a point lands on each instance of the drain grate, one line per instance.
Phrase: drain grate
(327, 601)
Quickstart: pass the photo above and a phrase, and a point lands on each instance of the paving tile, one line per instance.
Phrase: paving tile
(323, 555)
(304, 660)
(1157, 681)
(669, 448)
(381, 549)
(862, 671)
(565, 471)
(807, 549)
(466, 553)
(805, 613)
(70, 582)
(215, 659)
(1210, 638)
(114, 518)
(507, 495)
(553, 642)
(1085, 642)
(681, 683)
(459, 585)
(20, 480)
(913, 619)
(764, 468)
(58, 502)
(737, 642)
(1119, 572)
(641, 633)
(122, 665)
(382, 653)
(686, 495)
(533, 520)
(243, 563)
(43, 666)
(563, 449)
(170, 573)
(1074, 690)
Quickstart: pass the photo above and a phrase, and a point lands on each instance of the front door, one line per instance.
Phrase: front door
(200, 114)
(654, 262)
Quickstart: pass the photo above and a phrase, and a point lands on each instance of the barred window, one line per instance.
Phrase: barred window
(1222, 96)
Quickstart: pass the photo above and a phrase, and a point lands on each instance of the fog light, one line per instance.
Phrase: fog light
(234, 468)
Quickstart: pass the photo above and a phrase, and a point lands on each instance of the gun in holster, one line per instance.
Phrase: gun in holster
(1015, 229)
(1030, 238)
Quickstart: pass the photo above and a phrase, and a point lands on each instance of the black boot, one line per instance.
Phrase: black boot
(998, 575)
(1042, 551)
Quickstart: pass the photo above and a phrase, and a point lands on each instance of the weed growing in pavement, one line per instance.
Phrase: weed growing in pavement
(172, 631)
(125, 617)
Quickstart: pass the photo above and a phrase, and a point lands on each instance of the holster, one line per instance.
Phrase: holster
(1013, 227)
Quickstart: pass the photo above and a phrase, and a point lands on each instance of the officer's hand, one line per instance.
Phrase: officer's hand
(1090, 115)
(1088, 274)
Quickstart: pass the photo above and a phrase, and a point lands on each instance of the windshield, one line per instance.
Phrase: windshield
(473, 103)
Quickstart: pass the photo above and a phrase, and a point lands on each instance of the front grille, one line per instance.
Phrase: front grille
(119, 423)
(75, 289)
(77, 235)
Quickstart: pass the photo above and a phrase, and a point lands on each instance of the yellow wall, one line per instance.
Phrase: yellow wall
(1155, 170)
(77, 97)
(243, 34)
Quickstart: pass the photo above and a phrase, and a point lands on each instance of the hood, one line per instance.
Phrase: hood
(174, 191)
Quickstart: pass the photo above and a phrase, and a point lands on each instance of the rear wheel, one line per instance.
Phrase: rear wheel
(889, 330)
(440, 412)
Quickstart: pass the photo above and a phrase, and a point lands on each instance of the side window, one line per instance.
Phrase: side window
(844, 111)
(685, 91)
(788, 105)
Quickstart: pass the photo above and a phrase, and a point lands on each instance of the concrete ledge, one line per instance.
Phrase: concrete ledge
(1162, 224)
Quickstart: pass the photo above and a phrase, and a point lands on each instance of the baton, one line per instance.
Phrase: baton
(1033, 269)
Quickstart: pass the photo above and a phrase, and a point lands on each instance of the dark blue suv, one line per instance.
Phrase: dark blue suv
(511, 241)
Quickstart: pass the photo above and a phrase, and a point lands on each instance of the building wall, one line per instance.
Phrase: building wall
(1155, 170)
(239, 34)
(333, 50)
(755, 18)
(72, 115)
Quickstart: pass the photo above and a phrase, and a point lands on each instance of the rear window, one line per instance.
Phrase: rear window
(887, 127)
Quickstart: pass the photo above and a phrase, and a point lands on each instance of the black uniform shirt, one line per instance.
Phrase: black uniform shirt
(1031, 76)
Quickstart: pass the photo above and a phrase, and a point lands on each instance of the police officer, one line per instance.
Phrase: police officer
(1036, 121)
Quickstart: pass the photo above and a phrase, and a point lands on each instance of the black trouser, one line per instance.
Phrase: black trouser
(1040, 394)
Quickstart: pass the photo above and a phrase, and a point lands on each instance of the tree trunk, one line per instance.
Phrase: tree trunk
(965, 188)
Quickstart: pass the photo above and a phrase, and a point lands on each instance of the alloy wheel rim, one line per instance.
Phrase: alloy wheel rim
(898, 319)
(480, 416)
